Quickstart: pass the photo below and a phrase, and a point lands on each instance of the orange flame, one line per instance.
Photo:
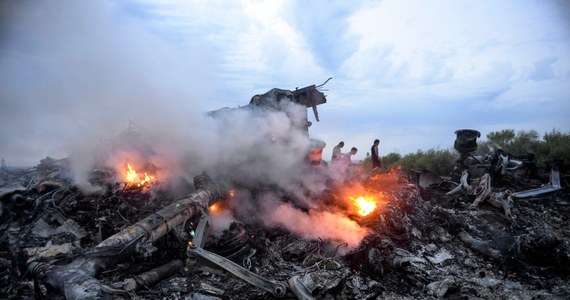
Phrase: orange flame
(131, 174)
(133, 178)
(365, 205)
(214, 208)
(374, 193)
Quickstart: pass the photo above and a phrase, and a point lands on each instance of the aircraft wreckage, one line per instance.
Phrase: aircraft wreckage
(412, 235)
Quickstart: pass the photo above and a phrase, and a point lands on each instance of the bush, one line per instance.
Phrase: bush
(440, 162)
(554, 145)
(390, 159)
(522, 142)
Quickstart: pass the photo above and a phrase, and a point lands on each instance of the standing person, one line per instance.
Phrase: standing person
(374, 155)
(336, 155)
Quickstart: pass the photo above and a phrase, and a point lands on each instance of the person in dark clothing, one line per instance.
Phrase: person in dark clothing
(374, 155)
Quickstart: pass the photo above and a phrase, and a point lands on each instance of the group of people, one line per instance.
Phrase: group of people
(338, 156)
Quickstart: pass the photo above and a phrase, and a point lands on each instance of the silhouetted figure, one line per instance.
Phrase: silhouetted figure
(375, 158)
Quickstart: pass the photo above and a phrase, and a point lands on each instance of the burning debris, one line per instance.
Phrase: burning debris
(136, 179)
(356, 236)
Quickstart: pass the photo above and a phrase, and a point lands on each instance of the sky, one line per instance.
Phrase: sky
(408, 72)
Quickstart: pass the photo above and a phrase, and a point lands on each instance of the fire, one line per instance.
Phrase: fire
(374, 193)
(214, 208)
(218, 208)
(134, 178)
(131, 174)
(365, 205)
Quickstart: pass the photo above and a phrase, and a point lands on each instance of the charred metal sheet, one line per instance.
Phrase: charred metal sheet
(276, 288)
(9, 190)
(424, 178)
(313, 284)
(195, 251)
(552, 186)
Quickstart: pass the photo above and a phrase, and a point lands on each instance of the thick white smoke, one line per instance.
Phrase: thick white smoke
(96, 69)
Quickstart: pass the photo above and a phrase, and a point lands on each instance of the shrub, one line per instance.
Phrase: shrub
(440, 162)
(555, 145)
(390, 159)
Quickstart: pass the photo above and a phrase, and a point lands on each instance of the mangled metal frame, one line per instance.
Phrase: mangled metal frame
(77, 280)
(465, 143)
(483, 192)
(198, 258)
(309, 96)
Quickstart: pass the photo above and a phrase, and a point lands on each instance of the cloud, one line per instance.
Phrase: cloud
(259, 48)
(543, 69)
(323, 26)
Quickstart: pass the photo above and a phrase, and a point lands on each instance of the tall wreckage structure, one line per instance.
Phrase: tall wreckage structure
(384, 235)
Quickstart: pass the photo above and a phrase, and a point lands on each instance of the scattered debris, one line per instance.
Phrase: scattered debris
(466, 240)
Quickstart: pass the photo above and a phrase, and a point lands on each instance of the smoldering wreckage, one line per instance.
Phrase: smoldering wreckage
(502, 234)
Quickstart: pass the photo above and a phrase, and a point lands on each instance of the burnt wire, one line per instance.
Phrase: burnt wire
(321, 259)
(338, 247)
(39, 205)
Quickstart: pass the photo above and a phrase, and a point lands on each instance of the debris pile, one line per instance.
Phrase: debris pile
(421, 241)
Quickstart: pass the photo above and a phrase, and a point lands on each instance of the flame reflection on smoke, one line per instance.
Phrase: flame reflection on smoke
(318, 224)
(221, 217)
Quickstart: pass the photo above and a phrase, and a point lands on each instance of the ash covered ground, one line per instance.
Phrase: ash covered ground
(418, 242)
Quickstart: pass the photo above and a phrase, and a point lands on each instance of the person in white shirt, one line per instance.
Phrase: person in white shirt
(337, 154)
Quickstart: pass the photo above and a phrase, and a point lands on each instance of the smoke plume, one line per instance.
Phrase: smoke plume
(108, 90)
